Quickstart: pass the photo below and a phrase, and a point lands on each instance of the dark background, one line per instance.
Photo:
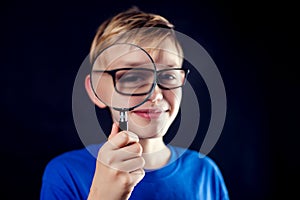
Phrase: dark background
(253, 43)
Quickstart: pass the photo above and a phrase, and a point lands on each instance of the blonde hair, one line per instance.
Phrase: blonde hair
(135, 26)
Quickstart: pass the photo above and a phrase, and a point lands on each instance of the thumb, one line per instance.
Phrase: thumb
(114, 130)
(137, 176)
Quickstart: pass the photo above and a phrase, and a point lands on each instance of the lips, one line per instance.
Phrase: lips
(150, 113)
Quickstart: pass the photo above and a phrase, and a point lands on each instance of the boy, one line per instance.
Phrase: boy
(137, 164)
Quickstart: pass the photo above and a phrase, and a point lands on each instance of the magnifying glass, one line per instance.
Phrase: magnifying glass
(123, 77)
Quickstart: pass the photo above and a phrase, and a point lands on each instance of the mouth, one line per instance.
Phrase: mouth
(150, 113)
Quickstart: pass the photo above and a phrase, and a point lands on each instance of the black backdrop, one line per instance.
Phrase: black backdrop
(43, 43)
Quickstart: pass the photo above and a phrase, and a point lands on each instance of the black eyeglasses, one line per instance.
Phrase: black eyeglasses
(140, 81)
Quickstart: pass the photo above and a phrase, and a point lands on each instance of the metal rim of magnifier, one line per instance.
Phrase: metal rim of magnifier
(152, 87)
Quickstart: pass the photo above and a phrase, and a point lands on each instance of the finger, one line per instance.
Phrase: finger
(126, 153)
(133, 148)
(114, 157)
(122, 139)
(114, 130)
(139, 172)
(131, 164)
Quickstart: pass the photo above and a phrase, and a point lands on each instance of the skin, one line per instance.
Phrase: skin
(123, 158)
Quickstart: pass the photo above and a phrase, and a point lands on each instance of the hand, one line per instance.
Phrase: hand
(119, 167)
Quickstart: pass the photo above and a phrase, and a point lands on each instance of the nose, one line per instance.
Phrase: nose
(156, 95)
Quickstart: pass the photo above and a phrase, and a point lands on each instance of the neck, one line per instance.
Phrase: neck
(155, 153)
(152, 145)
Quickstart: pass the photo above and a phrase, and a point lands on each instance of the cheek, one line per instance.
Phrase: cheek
(115, 114)
(136, 100)
(173, 97)
(114, 99)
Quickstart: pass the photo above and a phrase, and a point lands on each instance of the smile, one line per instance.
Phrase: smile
(149, 113)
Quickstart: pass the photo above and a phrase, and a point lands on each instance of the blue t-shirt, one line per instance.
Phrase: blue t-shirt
(186, 176)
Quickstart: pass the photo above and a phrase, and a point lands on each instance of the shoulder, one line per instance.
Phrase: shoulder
(195, 160)
(192, 155)
(69, 175)
(69, 161)
(206, 173)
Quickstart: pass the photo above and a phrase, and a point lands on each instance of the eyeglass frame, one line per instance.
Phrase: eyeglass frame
(113, 72)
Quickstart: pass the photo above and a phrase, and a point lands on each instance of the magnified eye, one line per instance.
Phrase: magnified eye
(134, 79)
(130, 77)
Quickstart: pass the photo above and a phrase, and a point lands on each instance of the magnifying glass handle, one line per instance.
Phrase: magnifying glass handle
(123, 122)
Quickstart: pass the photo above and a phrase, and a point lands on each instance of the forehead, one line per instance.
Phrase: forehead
(166, 53)
(136, 55)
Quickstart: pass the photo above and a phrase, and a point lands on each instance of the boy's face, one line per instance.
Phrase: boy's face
(153, 118)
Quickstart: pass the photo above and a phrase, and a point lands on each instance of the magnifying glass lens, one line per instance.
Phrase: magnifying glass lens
(123, 76)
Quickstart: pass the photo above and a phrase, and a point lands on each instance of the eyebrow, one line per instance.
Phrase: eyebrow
(130, 63)
(172, 65)
(137, 63)
(169, 64)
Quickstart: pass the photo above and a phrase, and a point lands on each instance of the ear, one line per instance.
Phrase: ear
(91, 93)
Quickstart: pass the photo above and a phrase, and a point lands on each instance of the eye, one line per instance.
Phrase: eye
(130, 77)
(167, 76)
(134, 79)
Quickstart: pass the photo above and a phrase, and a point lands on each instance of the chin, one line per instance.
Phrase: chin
(150, 136)
(151, 130)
